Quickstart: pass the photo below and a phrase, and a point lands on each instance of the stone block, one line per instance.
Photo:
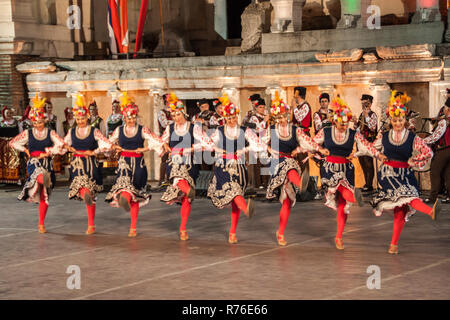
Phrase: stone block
(255, 20)
(340, 56)
(341, 39)
(407, 52)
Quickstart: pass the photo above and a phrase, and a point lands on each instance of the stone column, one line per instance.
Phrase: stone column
(426, 11)
(381, 92)
(287, 15)
(350, 14)
(154, 160)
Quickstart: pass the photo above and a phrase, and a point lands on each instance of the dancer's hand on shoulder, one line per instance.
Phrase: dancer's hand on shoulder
(324, 151)
(382, 157)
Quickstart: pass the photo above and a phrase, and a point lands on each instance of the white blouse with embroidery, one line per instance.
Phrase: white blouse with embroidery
(421, 155)
(437, 133)
(104, 144)
(365, 148)
(255, 143)
(305, 142)
(301, 112)
(20, 141)
(154, 142)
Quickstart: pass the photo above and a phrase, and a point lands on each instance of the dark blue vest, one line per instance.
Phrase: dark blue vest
(340, 150)
(399, 153)
(132, 143)
(182, 142)
(232, 146)
(39, 145)
(280, 145)
(89, 143)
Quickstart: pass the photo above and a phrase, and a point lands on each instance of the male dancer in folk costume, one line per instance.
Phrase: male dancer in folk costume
(54, 124)
(285, 142)
(9, 157)
(25, 123)
(42, 143)
(368, 126)
(337, 172)
(321, 118)
(164, 120)
(217, 119)
(230, 174)
(302, 117)
(66, 126)
(204, 115)
(440, 165)
(95, 121)
(85, 142)
(130, 188)
(180, 138)
(399, 189)
(115, 120)
(257, 120)
(52, 121)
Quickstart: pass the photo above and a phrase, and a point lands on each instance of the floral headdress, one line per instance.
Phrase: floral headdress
(175, 105)
(37, 111)
(80, 109)
(127, 105)
(397, 105)
(229, 109)
(341, 111)
(278, 107)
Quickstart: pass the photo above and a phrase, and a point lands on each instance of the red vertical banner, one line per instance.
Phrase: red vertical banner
(116, 23)
(124, 25)
(141, 24)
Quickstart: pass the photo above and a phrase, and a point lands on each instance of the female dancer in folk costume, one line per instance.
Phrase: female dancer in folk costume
(85, 142)
(129, 190)
(337, 172)
(399, 189)
(42, 143)
(285, 142)
(180, 138)
(230, 174)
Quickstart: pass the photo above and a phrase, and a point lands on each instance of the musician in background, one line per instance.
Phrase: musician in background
(9, 157)
(204, 115)
(440, 164)
(95, 121)
(321, 118)
(258, 122)
(368, 126)
(216, 119)
(164, 120)
(203, 118)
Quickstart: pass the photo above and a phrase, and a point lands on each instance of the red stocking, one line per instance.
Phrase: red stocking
(284, 215)
(40, 179)
(42, 207)
(240, 203)
(399, 222)
(185, 211)
(419, 205)
(134, 214)
(235, 213)
(91, 214)
(184, 186)
(341, 217)
(294, 177)
(346, 194)
(127, 196)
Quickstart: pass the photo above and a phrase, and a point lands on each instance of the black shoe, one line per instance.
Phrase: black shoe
(123, 203)
(428, 200)
(358, 197)
(88, 199)
(446, 200)
(436, 209)
(191, 194)
(250, 208)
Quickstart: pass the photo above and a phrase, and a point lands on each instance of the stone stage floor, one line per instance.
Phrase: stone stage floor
(156, 265)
